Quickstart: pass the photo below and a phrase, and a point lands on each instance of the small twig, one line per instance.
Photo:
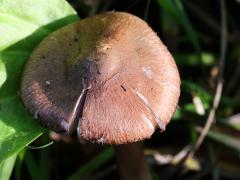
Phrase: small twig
(218, 93)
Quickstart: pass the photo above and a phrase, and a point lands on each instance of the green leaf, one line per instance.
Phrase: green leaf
(18, 129)
(6, 167)
(23, 24)
(20, 18)
(15, 56)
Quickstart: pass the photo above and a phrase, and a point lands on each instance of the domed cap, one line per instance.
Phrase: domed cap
(108, 75)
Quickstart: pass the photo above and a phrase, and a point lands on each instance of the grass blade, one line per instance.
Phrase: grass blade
(93, 164)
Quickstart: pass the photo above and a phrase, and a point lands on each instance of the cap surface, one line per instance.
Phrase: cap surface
(109, 74)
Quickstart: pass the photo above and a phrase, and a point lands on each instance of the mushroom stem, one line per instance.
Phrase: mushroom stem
(131, 162)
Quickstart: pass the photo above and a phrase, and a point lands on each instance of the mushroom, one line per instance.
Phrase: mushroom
(108, 76)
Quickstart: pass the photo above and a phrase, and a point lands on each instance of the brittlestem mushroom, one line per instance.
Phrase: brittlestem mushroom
(108, 76)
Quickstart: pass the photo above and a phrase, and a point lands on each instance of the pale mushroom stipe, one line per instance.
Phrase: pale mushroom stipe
(108, 76)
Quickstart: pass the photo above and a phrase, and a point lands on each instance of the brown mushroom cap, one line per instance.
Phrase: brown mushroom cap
(110, 75)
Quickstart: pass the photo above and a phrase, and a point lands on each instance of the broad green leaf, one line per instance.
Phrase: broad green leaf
(6, 167)
(18, 129)
(20, 18)
(23, 24)
(15, 56)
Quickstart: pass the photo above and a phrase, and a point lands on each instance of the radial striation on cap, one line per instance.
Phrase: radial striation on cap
(108, 76)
